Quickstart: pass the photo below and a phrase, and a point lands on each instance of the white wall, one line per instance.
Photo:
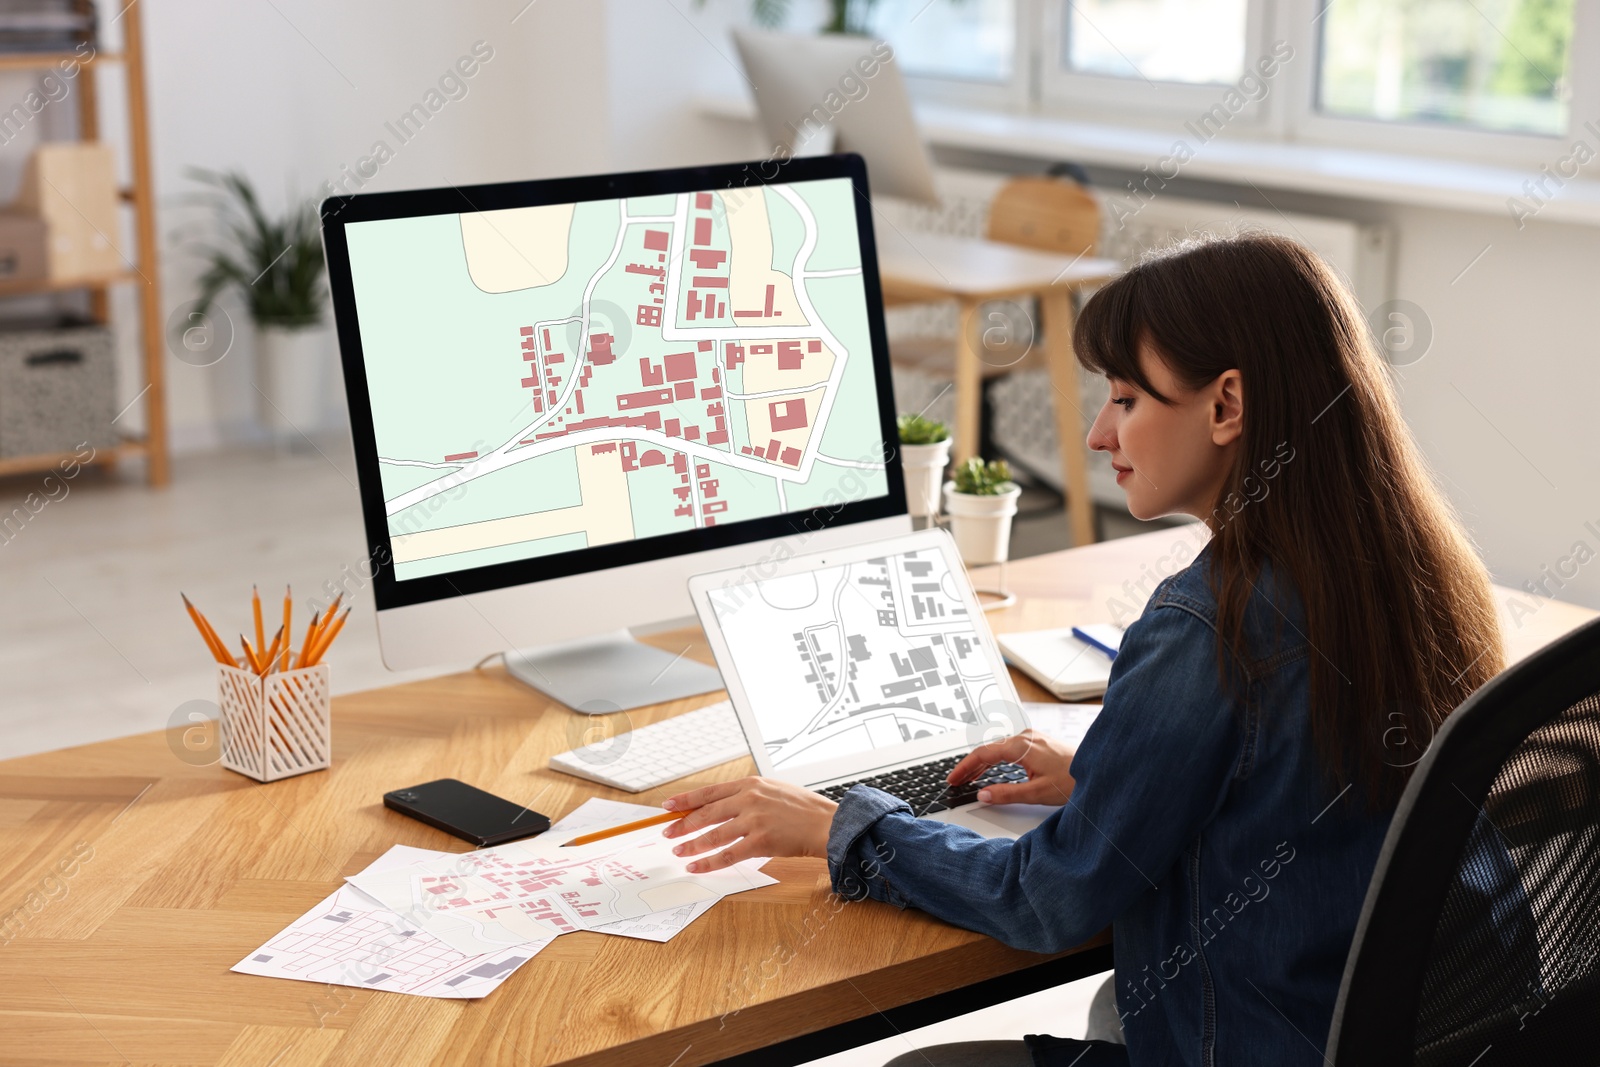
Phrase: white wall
(292, 91)
(1507, 402)
(663, 54)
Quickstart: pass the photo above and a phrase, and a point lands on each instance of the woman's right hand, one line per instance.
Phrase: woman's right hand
(1046, 759)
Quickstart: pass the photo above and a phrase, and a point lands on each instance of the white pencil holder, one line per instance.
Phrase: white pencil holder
(277, 726)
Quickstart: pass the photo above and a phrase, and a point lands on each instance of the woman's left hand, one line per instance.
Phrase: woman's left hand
(753, 817)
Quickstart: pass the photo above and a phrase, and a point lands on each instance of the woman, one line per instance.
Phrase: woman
(1225, 811)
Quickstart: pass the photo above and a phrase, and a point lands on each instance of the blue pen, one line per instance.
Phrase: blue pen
(1110, 652)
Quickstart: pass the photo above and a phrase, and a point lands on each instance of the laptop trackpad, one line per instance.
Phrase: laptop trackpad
(998, 820)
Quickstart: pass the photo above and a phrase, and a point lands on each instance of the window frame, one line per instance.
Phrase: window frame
(1306, 122)
(1077, 94)
(1011, 94)
(1288, 113)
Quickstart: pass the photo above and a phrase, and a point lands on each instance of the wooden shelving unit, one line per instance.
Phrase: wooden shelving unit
(143, 271)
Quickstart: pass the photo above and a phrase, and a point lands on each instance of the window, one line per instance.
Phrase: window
(1494, 81)
(1492, 64)
(1194, 41)
(970, 40)
(1159, 59)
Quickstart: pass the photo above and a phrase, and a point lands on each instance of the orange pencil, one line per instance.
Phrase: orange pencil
(269, 659)
(327, 616)
(327, 638)
(211, 632)
(305, 646)
(255, 607)
(288, 630)
(207, 634)
(327, 621)
(627, 827)
(250, 654)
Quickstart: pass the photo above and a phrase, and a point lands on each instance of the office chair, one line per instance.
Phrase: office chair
(1479, 941)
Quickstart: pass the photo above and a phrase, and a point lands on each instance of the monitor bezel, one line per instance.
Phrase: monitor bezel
(337, 212)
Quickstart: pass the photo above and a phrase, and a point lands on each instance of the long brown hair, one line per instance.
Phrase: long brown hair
(1398, 606)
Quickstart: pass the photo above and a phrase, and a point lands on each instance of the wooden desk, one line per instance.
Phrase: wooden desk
(185, 867)
(920, 268)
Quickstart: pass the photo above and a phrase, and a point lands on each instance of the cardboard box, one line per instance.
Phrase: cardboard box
(72, 187)
(23, 252)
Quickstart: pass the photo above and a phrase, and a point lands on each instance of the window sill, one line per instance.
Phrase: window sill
(1332, 171)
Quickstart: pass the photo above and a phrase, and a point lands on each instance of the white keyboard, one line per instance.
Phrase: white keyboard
(658, 753)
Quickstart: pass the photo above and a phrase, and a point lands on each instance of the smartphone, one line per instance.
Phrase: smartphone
(466, 811)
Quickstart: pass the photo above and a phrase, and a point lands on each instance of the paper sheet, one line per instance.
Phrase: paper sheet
(666, 925)
(1066, 722)
(350, 939)
(497, 898)
(659, 926)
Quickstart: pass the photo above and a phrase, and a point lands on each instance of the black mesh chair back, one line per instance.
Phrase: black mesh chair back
(1479, 942)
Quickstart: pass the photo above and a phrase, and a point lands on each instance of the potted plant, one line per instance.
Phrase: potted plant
(980, 502)
(277, 266)
(924, 454)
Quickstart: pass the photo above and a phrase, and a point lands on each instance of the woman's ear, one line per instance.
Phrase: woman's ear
(1226, 396)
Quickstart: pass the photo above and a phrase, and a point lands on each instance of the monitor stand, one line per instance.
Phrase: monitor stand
(610, 672)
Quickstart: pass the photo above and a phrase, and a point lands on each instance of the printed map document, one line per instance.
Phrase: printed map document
(659, 926)
(527, 891)
(350, 939)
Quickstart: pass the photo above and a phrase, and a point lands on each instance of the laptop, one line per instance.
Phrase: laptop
(871, 664)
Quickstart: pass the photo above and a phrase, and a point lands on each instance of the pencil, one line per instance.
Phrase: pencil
(288, 630)
(628, 827)
(216, 638)
(326, 638)
(255, 608)
(269, 658)
(250, 654)
(311, 632)
(207, 634)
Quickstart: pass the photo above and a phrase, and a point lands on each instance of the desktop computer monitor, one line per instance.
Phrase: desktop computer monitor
(569, 396)
(824, 93)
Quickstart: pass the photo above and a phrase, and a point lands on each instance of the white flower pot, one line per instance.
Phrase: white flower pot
(981, 525)
(292, 373)
(923, 466)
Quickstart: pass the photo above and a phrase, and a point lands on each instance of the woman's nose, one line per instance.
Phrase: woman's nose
(1102, 437)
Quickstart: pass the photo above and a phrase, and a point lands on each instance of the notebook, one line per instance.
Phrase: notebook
(1069, 668)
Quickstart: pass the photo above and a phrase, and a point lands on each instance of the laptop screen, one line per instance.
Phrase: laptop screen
(868, 655)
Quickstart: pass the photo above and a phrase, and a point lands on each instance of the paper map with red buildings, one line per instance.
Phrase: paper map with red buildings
(528, 891)
(551, 378)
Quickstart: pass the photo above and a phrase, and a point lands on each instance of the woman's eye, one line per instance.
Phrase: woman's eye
(1124, 402)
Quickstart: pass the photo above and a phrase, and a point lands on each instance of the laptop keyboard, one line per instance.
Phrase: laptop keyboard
(924, 788)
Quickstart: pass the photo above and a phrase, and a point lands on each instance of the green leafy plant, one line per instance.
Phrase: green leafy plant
(977, 478)
(276, 264)
(916, 430)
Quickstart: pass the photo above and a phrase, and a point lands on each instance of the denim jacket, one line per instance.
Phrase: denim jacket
(1201, 828)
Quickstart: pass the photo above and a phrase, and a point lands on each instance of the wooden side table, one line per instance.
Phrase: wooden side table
(924, 268)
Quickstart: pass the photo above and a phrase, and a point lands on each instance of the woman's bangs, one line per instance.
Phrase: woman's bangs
(1110, 330)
